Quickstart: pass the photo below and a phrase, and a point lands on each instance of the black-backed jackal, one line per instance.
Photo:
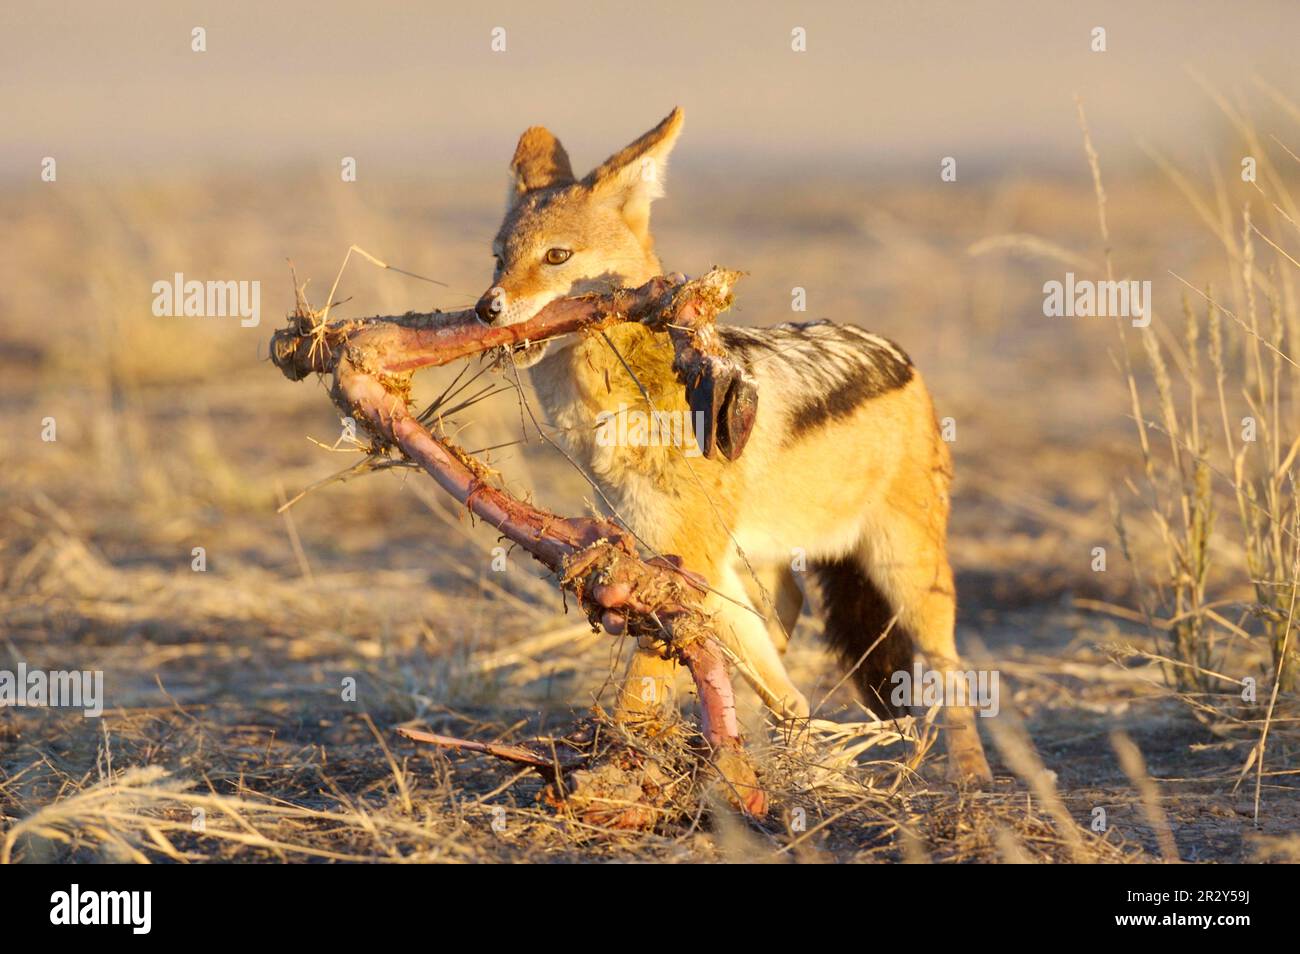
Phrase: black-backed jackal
(845, 463)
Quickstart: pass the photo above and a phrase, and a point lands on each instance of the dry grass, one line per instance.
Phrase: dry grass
(1226, 415)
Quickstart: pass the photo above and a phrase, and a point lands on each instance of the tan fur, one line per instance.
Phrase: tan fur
(872, 484)
(540, 161)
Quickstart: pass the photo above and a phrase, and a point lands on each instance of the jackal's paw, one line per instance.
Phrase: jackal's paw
(969, 770)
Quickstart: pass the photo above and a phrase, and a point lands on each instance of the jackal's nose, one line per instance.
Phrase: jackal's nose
(491, 305)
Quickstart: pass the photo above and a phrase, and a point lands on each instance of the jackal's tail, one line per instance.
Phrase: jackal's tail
(856, 615)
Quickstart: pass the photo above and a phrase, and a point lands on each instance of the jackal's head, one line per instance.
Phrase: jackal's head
(563, 236)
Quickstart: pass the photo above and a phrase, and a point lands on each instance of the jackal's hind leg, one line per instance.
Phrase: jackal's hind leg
(907, 559)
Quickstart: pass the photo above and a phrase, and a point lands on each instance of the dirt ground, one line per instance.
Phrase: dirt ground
(226, 734)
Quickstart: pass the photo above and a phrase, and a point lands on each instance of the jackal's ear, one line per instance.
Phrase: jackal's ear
(540, 162)
(634, 177)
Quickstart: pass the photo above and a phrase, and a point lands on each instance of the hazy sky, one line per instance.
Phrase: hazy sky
(116, 87)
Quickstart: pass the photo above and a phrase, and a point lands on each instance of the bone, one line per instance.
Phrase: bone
(594, 559)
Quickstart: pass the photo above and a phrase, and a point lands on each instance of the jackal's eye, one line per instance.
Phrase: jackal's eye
(557, 256)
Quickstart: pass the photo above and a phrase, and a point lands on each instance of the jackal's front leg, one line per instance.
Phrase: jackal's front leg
(648, 686)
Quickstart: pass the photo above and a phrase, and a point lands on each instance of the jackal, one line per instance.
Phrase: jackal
(845, 466)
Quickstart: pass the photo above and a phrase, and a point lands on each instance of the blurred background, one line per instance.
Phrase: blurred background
(817, 169)
(418, 88)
